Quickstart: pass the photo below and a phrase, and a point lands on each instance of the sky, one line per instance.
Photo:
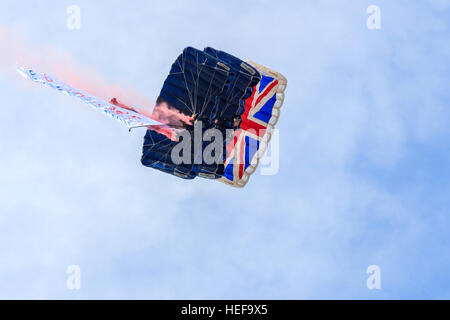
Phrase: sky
(363, 166)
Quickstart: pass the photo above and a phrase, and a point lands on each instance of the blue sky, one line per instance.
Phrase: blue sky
(364, 158)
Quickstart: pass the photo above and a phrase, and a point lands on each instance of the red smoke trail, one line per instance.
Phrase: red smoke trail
(17, 50)
(168, 115)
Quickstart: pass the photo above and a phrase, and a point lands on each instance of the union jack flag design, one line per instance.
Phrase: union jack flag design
(249, 143)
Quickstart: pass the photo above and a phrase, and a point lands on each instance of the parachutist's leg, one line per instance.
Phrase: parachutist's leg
(237, 122)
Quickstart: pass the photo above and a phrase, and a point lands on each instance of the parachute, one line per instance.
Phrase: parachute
(222, 92)
(209, 96)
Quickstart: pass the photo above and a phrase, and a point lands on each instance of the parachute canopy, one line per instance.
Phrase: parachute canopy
(222, 92)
